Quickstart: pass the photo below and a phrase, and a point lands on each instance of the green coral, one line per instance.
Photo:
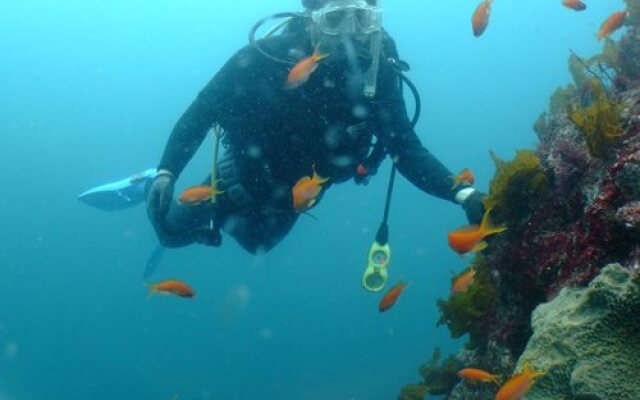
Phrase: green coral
(600, 121)
(517, 186)
(439, 378)
(465, 311)
(588, 341)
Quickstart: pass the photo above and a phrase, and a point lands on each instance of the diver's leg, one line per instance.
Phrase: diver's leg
(259, 232)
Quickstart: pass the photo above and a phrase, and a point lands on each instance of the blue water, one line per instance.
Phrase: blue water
(89, 92)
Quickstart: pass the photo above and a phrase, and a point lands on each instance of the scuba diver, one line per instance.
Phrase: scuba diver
(336, 124)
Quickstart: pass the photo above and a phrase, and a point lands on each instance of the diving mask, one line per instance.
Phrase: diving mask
(351, 30)
(375, 275)
(354, 17)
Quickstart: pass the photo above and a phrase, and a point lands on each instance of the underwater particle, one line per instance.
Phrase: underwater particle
(360, 111)
(254, 151)
(266, 334)
(341, 161)
(234, 303)
(10, 350)
(332, 137)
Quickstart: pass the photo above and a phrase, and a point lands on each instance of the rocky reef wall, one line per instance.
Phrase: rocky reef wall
(572, 207)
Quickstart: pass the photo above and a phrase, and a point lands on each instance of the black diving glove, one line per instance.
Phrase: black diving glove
(473, 206)
(160, 194)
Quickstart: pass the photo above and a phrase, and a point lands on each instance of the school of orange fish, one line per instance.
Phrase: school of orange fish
(464, 240)
(480, 18)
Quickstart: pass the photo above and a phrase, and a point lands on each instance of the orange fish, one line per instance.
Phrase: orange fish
(198, 194)
(301, 72)
(518, 385)
(469, 238)
(306, 190)
(463, 281)
(474, 375)
(465, 177)
(175, 287)
(576, 5)
(611, 24)
(390, 298)
(480, 18)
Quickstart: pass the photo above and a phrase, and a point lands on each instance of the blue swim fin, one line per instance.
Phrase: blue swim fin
(121, 194)
(151, 267)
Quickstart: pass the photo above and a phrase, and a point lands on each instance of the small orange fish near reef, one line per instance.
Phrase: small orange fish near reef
(518, 385)
(306, 190)
(390, 298)
(463, 281)
(480, 18)
(612, 24)
(465, 177)
(198, 194)
(469, 238)
(576, 5)
(301, 72)
(474, 376)
(173, 286)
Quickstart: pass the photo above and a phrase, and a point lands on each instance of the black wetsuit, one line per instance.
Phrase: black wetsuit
(274, 136)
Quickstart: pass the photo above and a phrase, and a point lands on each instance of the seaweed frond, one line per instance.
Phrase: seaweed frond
(600, 121)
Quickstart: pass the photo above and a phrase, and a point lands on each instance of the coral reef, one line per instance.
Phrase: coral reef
(438, 378)
(599, 121)
(588, 341)
(517, 187)
(466, 312)
(572, 206)
(633, 6)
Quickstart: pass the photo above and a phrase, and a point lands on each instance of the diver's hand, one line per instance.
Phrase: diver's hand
(160, 194)
(473, 205)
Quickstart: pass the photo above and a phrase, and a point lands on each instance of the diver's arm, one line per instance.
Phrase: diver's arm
(187, 135)
(192, 127)
(413, 160)
(421, 167)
